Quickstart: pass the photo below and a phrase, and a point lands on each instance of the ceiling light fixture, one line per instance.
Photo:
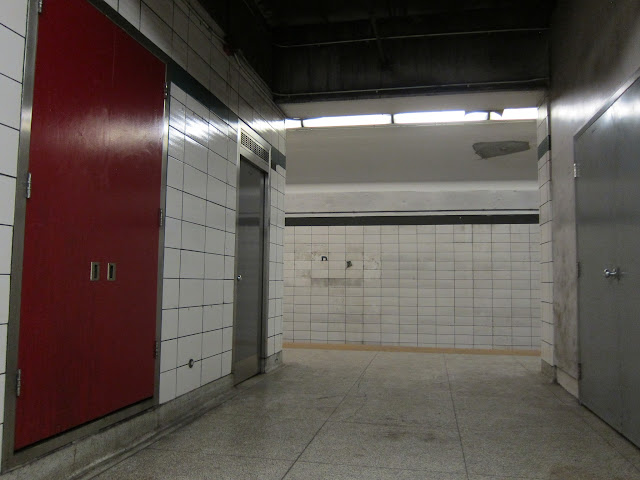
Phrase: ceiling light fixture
(292, 123)
(348, 121)
(516, 114)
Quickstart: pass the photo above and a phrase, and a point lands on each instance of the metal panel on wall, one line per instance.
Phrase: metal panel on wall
(90, 267)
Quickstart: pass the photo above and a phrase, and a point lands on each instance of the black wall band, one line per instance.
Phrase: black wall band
(414, 220)
(544, 146)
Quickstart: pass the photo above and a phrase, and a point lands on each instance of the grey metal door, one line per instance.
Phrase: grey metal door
(247, 345)
(608, 223)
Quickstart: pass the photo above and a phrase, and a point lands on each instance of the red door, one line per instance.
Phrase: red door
(86, 347)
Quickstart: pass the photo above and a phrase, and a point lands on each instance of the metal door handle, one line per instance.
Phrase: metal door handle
(239, 278)
(613, 273)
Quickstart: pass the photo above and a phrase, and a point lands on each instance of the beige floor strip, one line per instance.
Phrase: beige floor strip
(393, 348)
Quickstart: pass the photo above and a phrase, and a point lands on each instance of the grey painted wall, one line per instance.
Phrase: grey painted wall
(594, 52)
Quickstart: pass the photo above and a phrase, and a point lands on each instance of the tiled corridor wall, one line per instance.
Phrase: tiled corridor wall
(13, 20)
(546, 253)
(454, 286)
(199, 255)
(276, 261)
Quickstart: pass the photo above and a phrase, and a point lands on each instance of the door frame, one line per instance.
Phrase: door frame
(10, 458)
(601, 111)
(247, 154)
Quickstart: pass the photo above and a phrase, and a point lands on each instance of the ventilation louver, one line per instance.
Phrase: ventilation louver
(249, 143)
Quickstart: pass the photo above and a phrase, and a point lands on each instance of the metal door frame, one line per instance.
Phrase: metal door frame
(10, 458)
(601, 111)
(265, 167)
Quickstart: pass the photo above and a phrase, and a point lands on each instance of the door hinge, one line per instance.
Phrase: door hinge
(166, 90)
(161, 217)
(18, 382)
(576, 170)
(156, 349)
(578, 268)
(40, 2)
(28, 186)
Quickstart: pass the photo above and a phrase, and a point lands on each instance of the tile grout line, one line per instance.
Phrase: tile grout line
(455, 415)
(329, 416)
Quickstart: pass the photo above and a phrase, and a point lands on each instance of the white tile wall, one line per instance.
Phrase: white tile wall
(454, 286)
(276, 262)
(13, 20)
(546, 260)
(195, 259)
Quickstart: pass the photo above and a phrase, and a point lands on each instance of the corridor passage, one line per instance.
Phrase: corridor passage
(401, 416)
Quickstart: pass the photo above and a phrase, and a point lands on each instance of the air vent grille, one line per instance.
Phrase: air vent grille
(249, 143)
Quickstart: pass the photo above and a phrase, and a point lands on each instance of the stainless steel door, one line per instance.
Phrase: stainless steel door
(247, 346)
(608, 219)
(627, 224)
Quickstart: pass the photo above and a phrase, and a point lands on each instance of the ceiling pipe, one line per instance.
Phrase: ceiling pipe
(404, 37)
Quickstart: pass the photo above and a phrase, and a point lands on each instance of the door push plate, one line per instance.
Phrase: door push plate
(94, 274)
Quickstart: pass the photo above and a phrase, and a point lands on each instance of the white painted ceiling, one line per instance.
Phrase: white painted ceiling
(408, 154)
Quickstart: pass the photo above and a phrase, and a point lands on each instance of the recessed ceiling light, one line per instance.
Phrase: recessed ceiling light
(429, 117)
(348, 121)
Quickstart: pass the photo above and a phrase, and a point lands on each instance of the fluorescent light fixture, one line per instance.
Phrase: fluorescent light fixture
(516, 114)
(292, 123)
(476, 117)
(429, 117)
(348, 121)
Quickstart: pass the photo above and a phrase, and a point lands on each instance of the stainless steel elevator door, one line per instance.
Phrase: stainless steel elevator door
(247, 345)
(608, 222)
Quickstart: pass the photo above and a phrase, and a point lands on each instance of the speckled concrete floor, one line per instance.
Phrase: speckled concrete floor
(406, 416)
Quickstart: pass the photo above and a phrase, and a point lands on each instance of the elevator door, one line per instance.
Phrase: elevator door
(608, 223)
(247, 345)
(86, 347)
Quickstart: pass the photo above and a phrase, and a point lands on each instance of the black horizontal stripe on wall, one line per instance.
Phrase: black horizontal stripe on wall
(544, 146)
(413, 220)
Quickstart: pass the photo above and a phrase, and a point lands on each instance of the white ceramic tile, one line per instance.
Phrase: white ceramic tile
(152, 27)
(167, 386)
(173, 233)
(181, 22)
(189, 348)
(192, 264)
(4, 299)
(213, 291)
(229, 286)
(171, 263)
(168, 355)
(190, 321)
(193, 236)
(188, 379)
(13, 14)
(216, 191)
(3, 348)
(213, 316)
(7, 199)
(112, 3)
(174, 203)
(9, 145)
(216, 216)
(228, 315)
(227, 339)
(195, 154)
(215, 241)
(195, 182)
(226, 363)
(130, 10)
(194, 209)
(214, 266)
(10, 102)
(164, 9)
(212, 343)
(170, 293)
(211, 369)
(191, 293)
(169, 324)
(11, 54)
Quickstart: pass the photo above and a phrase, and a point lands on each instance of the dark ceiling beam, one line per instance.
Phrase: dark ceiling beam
(496, 61)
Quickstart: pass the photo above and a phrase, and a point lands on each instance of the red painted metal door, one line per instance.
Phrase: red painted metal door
(86, 347)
